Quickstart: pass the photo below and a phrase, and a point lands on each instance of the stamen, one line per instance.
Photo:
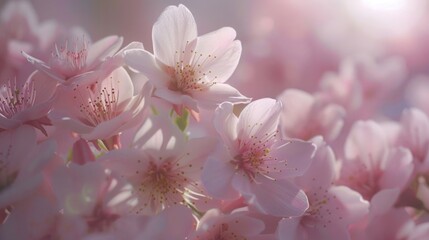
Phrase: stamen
(14, 98)
(70, 61)
(187, 75)
(98, 107)
(255, 158)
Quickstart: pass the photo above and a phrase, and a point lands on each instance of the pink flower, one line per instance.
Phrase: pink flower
(21, 163)
(103, 109)
(256, 162)
(238, 225)
(332, 208)
(163, 167)
(77, 60)
(363, 84)
(305, 116)
(414, 135)
(370, 165)
(27, 103)
(187, 70)
(23, 32)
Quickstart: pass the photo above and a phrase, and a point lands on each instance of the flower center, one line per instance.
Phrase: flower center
(255, 158)
(14, 98)
(99, 106)
(188, 74)
(70, 60)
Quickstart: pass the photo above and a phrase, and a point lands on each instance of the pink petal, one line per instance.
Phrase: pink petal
(367, 142)
(259, 118)
(220, 53)
(120, 80)
(107, 128)
(42, 66)
(176, 98)
(398, 167)
(415, 129)
(383, 201)
(423, 191)
(288, 228)
(217, 177)
(279, 198)
(60, 119)
(296, 154)
(225, 123)
(217, 94)
(322, 169)
(244, 225)
(6, 123)
(172, 31)
(297, 106)
(145, 63)
(103, 48)
(354, 206)
(175, 222)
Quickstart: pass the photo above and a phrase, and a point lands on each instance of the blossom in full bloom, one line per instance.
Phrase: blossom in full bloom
(103, 109)
(332, 208)
(77, 60)
(26, 103)
(164, 170)
(256, 162)
(187, 70)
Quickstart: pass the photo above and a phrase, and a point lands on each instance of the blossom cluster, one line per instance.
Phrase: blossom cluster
(101, 140)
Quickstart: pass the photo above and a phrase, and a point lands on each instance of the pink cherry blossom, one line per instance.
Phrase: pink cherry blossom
(92, 201)
(363, 84)
(238, 225)
(332, 208)
(414, 136)
(187, 70)
(21, 31)
(370, 165)
(26, 103)
(76, 60)
(256, 162)
(305, 116)
(165, 170)
(103, 109)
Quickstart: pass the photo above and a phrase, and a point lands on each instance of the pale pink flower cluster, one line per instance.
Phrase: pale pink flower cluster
(104, 141)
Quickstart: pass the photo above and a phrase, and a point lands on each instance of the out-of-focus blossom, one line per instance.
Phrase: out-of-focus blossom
(21, 163)
(332, 208)
(76, 60)
(305, 116)
(21, 31)
(187, 70)
(370, 165)
(414, 136)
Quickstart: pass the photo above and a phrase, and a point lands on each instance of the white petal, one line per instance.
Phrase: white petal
(217, 94)
(218, 54)
(103, 48)
(259, 118)
(145, 63)
(174, 29)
